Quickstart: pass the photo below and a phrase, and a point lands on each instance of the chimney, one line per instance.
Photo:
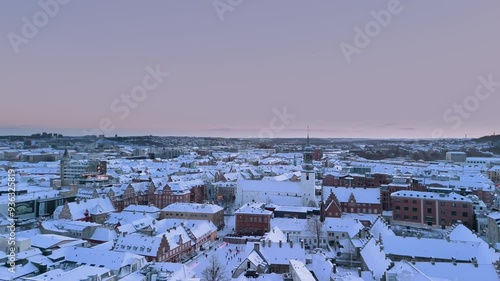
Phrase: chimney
(334, 268)
(454, 261)
(269, 243)
(302, 244)
(413, 260)
(291, 244)
(433, 262)
(359, 272)
(280, 243)
(256, 246)
(263, 243)
(77, 200)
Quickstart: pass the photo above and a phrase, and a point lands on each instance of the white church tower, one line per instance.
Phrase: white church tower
(308, 176)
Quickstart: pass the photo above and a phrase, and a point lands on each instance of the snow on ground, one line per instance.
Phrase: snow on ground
(228, 255)
(230, 224)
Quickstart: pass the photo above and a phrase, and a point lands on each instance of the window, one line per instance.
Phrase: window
(465, 205)
(453, 204)
(398, 208)
(465, 214)
(414, 218)
(406, 217)
(429, 210)
(443, 203)
(414, 209)
(453, 213)
(414, 201)
(406, 208)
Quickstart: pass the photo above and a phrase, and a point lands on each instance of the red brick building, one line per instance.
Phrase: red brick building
(157, 248)
(198, 190)
(145, 193)
(348, 180)
(351, 200)
(170, 193)
(194, 211)
(252, 219)
(428, 208)
(485, 193)
(128, 194)
(398, 184)
(317, 154)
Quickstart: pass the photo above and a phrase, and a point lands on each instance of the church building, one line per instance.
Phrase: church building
(287, 193)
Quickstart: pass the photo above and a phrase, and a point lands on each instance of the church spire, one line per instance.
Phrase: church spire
(307, 142)
(307, 159)
(66, 154)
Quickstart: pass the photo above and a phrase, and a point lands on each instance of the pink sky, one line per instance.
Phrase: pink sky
(226, 77)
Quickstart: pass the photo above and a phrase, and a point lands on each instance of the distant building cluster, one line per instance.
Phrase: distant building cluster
(151, 209)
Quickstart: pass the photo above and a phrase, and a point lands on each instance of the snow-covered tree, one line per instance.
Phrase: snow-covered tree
(215, 271)
(315, 226)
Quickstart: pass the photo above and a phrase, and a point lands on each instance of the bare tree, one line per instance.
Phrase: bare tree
(312, 203)
(349, 247)
(215, 271)
(315, 226)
